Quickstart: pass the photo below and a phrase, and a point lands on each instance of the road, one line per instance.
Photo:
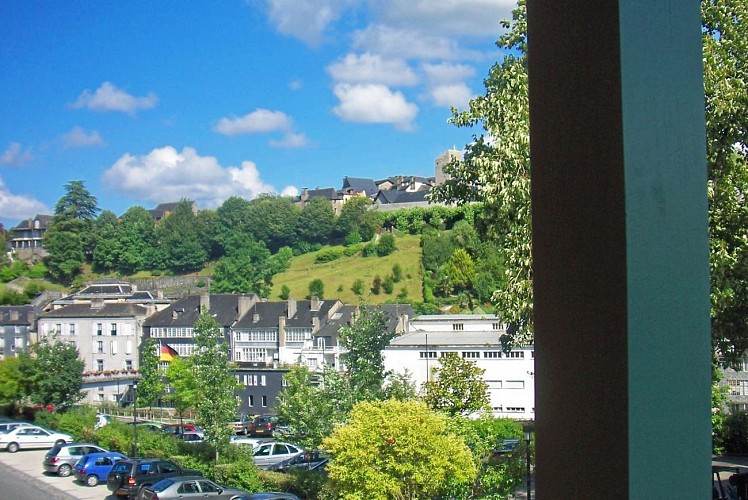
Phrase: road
(22, 477)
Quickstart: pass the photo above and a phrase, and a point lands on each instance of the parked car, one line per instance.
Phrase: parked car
(150, 426)
(505, 450)
(269, 495)
(240, 424)
(32, 436)
(102, 420)
(94, 467)
(267, 454)
(60, 459)
(315, 460)
(128, 476)
(174, 488)
(261, 426)
(190, 437)
(11, 424)
(249, 440)
(173, 429)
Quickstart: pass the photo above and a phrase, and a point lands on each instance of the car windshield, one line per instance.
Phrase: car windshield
(160, 486)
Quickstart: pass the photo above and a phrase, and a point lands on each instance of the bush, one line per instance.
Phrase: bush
(352, 250)
(736, 432)
(284, 293)
(352, 238)
(386, 245)
(369, 250)
(388, 285)
(200, 284)
(328, 255)
(376, 285)
(358, 286)
(397, 273)
(403, 295)
(317, 288)
(37, 271)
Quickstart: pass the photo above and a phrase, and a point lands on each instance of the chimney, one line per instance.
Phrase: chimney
(291, 311)
(97, 303)
(174, 314)
(204, 302)
(31, 318)
(315, 324)
(245, 304)
(281, 331)
(314, 303)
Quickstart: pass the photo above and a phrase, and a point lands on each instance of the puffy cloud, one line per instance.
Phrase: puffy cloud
(79, 138)
(374, 103)
(442, 73)
(168, 174)
(258, 121)
(291, 141)
(372, 68)
(405, 43)
(110, 98)
(14, 207)
(306, 20)
(290, 191)
(455, 94)
(15, 155)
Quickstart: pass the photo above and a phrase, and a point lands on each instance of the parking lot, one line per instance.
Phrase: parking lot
(29, 463)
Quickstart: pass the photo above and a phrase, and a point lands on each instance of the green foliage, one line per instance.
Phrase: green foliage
(436, 248)
(285, 292)
(369, 250)
(273, 220)
(151, 384)
(352, 250)
(281, 260)
(247, 267)
(238, 473)
(402, 295)
(183, 384)
(61, 358)
(357, 216)
(406, 448)
(13, 270)
(79, 421)
(352, 238)
(364, 341)
(376, 285)
(399, 386)
(11, 380)
(316, 221)
(456, 387)
(397, 273)
(460, 269)
(735, 439)
(358, 286)
(216, 403)
(386, 245)
(317, 288)
(388, 285)
(328, 255)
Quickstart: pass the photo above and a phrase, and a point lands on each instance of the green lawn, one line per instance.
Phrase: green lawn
(344, 271)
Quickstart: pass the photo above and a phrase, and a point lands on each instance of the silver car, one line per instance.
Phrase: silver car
(188, 487)
(31, 436)
(61, 459)
(267, 454)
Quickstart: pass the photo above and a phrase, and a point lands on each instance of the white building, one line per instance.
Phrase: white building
(509, 375)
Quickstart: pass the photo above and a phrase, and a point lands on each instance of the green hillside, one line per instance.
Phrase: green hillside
(344, 271)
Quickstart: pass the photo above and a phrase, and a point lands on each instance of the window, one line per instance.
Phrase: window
(496, 326)
(284, 382)
(295, 336)
(738, 387)
(447, 353)
(99, 329)
(517, 354)
(251, 400)
(311, 362)
(427, 354)
(100, 365)
(128, 347)
(492, 354)
(321, 343)
(514, 384)
(515, 409)
(458, 327)
(237, 355)
(58, 328)
(253, 354)
(470, 354)
(113, 329)
(264, 401)
(99, 347)
(113, 347)
(128, 364)
(263, 380)
(71, 328)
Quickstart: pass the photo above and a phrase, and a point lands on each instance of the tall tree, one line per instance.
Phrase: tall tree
(107, 245)
(246, 268)
(69, 239)
(357, 216)
(496, 171)
(53, 357)
(179, 235)
(232, 217)
(457, 387)
(136, 237)
(11, 380)
(151, 383)
(183, 389)
(364, 342)
(216, 402)
(316, 221)
(273, 220)
(407, 451)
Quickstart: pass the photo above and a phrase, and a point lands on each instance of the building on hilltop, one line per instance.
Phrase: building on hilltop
(165, 209)
(27, 238)
(442, 161)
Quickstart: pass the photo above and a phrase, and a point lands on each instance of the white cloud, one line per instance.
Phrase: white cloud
(18, 207)
(306, 20)
(167, 174)
(296, 84)
(291, 141)
(448, 17)
(110, 98)
(374, 103)
(372, 68)
(455, 94)
(258, 121)
(405, 43)
(447, 73)
(290, 191)
(15, 155)
(79, 138)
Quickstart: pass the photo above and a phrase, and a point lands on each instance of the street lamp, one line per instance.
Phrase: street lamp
(528, 433)
(135, 419)
(427, 357)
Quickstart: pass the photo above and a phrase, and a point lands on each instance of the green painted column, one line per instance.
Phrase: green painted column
(620, 249)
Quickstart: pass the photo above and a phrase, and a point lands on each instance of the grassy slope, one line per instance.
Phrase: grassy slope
(345, 270)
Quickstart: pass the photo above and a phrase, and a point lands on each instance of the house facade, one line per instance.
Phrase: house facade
(508, 374)
(27, 238)
(17, 328)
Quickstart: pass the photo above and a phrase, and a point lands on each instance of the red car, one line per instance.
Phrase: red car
(176, 429)
(260, 426)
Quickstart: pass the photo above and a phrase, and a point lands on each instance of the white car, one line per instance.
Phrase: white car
(32, 436)
(267, 454)
(248, 440)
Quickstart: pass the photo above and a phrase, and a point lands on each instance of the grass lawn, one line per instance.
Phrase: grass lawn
(339, 275)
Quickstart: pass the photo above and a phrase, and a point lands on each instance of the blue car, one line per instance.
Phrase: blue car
(94, 467)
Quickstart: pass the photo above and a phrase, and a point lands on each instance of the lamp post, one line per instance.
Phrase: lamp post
(427, 357)
(135, 419)
(528, 432)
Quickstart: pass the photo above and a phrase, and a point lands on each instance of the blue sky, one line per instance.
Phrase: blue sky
(154, 101)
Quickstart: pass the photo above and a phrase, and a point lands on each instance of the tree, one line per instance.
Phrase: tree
(406, 448)
(496, 171)
(725, 45)
(44, 358)
(246, 267)
(456, 387)
(364, 342)
(398, 385)
(316, 220)
(460, 270)
(357, 216)
(107, 245)
(285, 292)
(232, 217)
(317, 288)
(151, 383)
(273, 220)
(358, 286)
(386, 245)
(216, 403)
(183, 389)
(11, 380)
(179, 236)
(136, 234)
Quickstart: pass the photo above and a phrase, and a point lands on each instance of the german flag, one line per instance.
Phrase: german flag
(167, 353)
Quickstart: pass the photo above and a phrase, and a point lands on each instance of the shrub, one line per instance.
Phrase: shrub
(200, 284)
(37, 271)
(388, 285)
(376, 285)
(403, 295)
(285, 292)
(328, 255)
(340, 288)
(352, 238)
(352, 250)
(317, 288)
(397, 273)
(386, 245)
(369, 250)
(358, 286)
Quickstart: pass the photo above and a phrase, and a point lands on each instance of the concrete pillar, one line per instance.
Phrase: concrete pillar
(620, 249)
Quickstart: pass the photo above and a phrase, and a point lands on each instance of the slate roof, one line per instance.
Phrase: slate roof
(269, 312)
(341, 317)
(223, 307)
(394, 312)
(326, 193)
(27, 224)
(23, 314)
(360, 185)
(446, 339)
(110, 310)
(398, 196)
